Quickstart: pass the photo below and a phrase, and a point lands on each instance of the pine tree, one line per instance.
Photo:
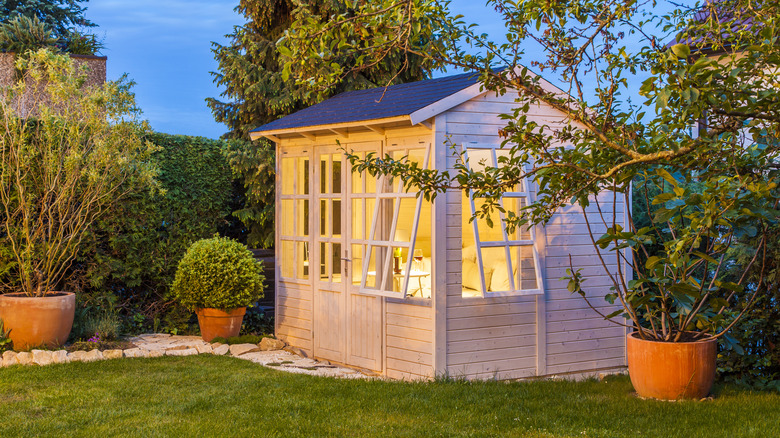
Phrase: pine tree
(61, 16)
(256, 93)
(250, 71)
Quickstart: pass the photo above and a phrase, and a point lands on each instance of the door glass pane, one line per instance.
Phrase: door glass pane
(324, 261)
(369, 216)
(336, 175)
(336, 263)
(336, 221)
(357, 219)
(357, 263)
(287, 259)
(288, 175)
(302, 218)
(357, 177)
(287, 217)
(302, 177)
(324, 213)
(302, 261)
(324, 174)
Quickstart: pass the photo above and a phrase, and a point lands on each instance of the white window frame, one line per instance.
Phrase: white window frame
(507, 244)
(396, 194)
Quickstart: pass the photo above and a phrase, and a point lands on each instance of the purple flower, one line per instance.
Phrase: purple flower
(95, 338)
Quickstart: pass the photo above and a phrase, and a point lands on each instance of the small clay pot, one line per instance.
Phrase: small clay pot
(671, 370)
(216, 323)
(38, 321)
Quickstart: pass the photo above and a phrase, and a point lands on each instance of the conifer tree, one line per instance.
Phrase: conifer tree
(61, 16)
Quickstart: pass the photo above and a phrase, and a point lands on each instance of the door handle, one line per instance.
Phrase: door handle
(346, 259)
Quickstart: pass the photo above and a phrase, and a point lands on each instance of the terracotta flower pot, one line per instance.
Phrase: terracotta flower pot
(38, 321)
(216, 323)
(671, 370)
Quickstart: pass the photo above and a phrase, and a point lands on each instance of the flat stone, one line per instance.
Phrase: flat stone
(112, 354)
(269, 344)
(204, 348)
(178, 347)
(9, 358)
(294, 350)
(92, 355)
(41, 357)
(156, 353)
(76, 356)
(239, 349)
(178, 352)
(136, 352)
(59, 356)
(221, 350)
(24, 358)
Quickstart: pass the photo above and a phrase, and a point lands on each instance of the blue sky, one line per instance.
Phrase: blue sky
(165, 46)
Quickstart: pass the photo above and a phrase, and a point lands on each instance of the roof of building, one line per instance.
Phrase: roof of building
(374, 103)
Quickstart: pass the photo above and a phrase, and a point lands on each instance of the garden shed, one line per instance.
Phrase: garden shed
(373, 277)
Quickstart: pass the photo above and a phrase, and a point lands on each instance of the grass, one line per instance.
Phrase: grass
(221, 396)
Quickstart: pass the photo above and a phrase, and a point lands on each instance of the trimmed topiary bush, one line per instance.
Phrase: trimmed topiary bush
(218, 273)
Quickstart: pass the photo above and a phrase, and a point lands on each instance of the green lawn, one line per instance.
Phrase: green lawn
(205, 395)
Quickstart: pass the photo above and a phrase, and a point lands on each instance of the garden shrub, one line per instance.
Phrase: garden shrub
(133, 251)
(218, 273)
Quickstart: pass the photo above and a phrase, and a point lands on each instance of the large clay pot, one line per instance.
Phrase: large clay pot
(216, 323)
(671, 370)
(38, 321)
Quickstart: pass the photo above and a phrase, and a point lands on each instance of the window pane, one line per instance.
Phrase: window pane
(288, 175)
(369, 214)
(479, 159)
(370, 183)
(489, 233)
(524, 267)
(302, 261)
(515, 205)
(324, 261)
(375, 271)
(287, 219)
(406, 216)
(497, 278)
(287, 259)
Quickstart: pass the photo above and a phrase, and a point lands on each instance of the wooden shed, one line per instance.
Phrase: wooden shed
(373, 277)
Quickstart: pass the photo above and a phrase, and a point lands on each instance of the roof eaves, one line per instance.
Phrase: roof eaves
(254, 135)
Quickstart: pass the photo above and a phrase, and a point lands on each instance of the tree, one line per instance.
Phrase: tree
(716, 187)
(60, 15)
(257, 93)
(66, 150)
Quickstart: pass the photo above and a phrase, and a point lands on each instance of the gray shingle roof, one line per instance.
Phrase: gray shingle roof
(360, 105)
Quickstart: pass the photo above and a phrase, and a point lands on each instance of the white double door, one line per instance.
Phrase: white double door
(347, 326)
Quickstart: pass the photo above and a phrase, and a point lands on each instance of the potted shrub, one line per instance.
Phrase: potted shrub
(681, 300)
(67, 150)
(218, 278)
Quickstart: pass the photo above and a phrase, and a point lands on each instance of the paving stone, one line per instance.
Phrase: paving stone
(156, 353)
(112, 354)
(41, 357)
(269, 344)
(295, 351)
(136, 352)
(239, 349)
(185, 352)
(24, 358)
(59, 356)
(221, 350)
(178, 347)
(204, 348)
(9, 358)
(92, 355)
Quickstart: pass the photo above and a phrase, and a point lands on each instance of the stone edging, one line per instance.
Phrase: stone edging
(272, 353)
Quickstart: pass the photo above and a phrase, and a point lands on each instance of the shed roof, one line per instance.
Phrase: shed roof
(363, 105)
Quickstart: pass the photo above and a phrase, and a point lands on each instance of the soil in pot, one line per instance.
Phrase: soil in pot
(220, 323)
(671, 370)
(38, 321)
